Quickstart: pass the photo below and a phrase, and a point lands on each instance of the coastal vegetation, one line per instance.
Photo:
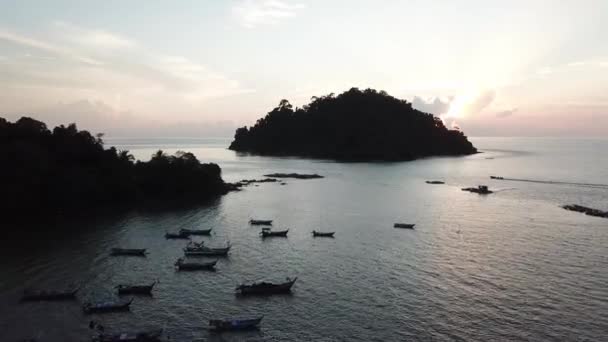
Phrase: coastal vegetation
(358, 125)
(67, 169)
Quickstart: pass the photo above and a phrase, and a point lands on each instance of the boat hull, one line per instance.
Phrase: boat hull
(235, 325)
(266, 289)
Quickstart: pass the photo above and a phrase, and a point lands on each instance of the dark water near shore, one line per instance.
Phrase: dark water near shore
(509, 266)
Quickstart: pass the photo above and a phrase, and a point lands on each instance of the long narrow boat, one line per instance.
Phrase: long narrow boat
(220, 325)
(322, 234)
(143, 336)
(178, 235)
(260, 222)
(404, 225)
(135, 289)
(208, 251)
(106, 306)
(195, 231)
(48, 295)
(270, 233)
(194, 246)
(192, 266)
(264, 288)
(129, 251)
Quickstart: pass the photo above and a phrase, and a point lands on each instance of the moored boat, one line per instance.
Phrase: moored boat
(266, 232)
(194, 246)
(234, 324)
(208, 251)
(260, 222)
(48, 295)
(103, 307)
(480, 189)
(128, 251)
(322, 234)
(404, 225)
(178, 235)
(143, 336)
(182, 265)
(135, 289)
(265, 288)
(435, 182)
(195, 231)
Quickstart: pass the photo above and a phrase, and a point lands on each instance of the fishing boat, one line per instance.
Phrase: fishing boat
(48, 295)
(497, 177)
(195, 231)
(178, 235)
(260, 222)
(208, 251)
(106, 306)
(219, 325)
(129, 251)
(435, 182)
(135, 289)
(194, 246)
(480, 189)
(266, 232)
(322, 234)
(404, 225)
(143, 336)
(192, 266)
(265, 288)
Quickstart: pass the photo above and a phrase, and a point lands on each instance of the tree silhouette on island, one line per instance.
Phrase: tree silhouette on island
(354, 126)
(65, 169)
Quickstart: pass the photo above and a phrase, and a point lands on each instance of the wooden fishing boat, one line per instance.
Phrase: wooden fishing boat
(143, 336)
(192, 266)
(322, 234)
(207, 251)
(135, 289)
(129, 251)
(404, 225)
(234, 324)
(480, 189)
(260, 222)
(106, 306)
(178, 235)
(265, 288)
(195, 231)
(49, 295)
(194, 246)
(266, 232)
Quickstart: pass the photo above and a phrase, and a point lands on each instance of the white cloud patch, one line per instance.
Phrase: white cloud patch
(73, 62)
(92, 37)
(253, 13)
(46, 46)
(506, 113)
(435, 106)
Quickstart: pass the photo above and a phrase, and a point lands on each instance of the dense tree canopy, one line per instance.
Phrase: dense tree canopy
(355, 125)
(65, 169)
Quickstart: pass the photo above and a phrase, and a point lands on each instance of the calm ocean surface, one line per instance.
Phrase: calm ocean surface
(511, 266)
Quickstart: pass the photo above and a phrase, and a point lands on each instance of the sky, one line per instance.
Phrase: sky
(203, 67)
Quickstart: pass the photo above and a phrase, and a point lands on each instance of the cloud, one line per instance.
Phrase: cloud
(92, 37)
(434, 106)
(252, 13)
(42, 45)
(96, 64)
(506, 113)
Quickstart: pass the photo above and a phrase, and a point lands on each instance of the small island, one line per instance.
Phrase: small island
(66, 170)
(294, 175)
(357, 125)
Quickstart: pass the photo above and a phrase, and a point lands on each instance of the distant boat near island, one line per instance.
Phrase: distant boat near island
(404, 225)
(260, 222)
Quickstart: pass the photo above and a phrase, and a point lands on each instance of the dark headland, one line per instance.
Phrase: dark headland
(66, 170)
(353, 126)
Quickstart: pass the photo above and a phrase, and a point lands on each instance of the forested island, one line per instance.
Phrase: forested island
(68, 169)
(353, 126)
